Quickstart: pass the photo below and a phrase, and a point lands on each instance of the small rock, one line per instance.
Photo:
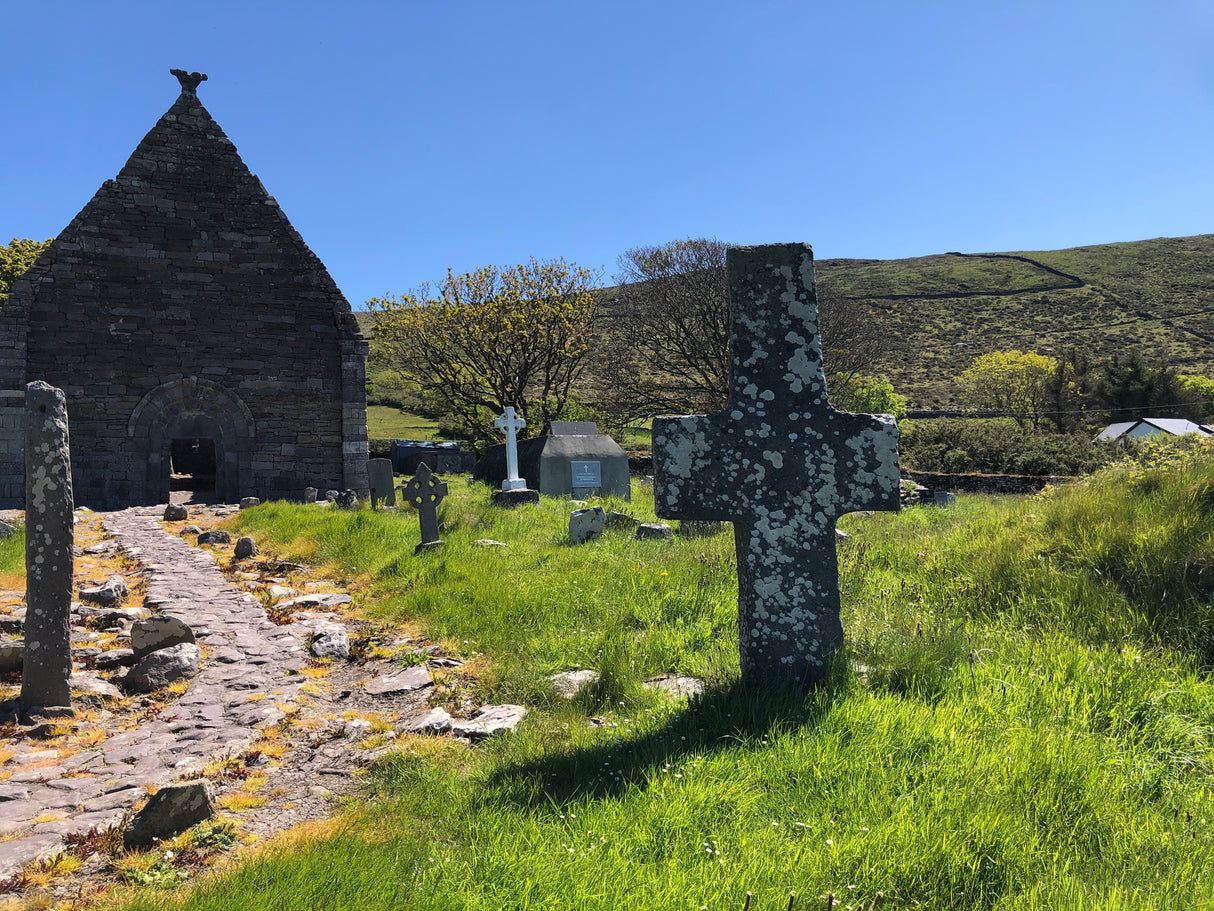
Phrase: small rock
(190, 530)
(406, 681)
(488, 542)
(245, 548)
(331, 641)
(310, 602)
(93, 685)
(347, 499)
(249, 502)
(7, 530)
(332, 495)
(676, 685)
(172, 810)
(160, 668)
(115, 658)
(101, 547)
(435, 721)
(586, 524)
(214, 537)
(489, 721)
(13, 626)
(159, 632)
(175, 512)
(356, 729)
(107, 595)
(12, 655)
(654, 531)
(569, 683)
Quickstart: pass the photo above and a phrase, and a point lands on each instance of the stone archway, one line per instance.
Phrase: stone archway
(193, 408)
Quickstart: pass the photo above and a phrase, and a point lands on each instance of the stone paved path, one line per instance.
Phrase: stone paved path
(246, 654)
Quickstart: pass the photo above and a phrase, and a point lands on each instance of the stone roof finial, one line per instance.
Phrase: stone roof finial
(189, 81)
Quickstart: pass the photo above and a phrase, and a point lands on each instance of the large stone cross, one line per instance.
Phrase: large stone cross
(781, 464)
(511, 424)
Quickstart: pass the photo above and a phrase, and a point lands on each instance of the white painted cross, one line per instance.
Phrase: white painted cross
(511, 424)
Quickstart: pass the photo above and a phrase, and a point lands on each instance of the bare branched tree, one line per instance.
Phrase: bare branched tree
(669, 322)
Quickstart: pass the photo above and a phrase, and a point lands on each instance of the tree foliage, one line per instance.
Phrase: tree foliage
(15, 258)
(510, 336)
(867, 395)
(670, 324)
(1014, 383)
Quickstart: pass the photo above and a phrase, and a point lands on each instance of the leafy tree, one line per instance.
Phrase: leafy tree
(670, 324)
(15, 258)
(497, 337)
(1130, 388)
(867, 395)
(1198, 394)
(1015, 383)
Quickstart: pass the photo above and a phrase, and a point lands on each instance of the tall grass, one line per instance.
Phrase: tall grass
(12, 560)
(1024, 717)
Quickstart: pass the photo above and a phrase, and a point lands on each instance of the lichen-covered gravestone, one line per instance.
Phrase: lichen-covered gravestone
(48, 554)
(781, 464)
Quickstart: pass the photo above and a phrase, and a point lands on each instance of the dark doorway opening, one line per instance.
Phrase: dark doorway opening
(192, 468)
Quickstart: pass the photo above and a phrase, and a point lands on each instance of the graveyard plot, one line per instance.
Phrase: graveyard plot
(1014, 723)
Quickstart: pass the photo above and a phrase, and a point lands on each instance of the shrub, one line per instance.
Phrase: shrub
(998, 446)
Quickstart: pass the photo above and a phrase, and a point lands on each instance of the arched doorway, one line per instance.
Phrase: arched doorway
(196, 424)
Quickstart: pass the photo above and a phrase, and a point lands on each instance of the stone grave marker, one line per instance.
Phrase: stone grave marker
(514, 488)
(586, 524)
(49, 561)
(424, 492)
(781, 464)
(379, 473)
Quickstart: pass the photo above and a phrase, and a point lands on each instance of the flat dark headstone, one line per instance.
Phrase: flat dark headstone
(781, 464)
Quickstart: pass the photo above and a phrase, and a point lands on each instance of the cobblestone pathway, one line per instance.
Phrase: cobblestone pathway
(246, 653)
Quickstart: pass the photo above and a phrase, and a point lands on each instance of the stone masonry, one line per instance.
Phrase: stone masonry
(181, 305)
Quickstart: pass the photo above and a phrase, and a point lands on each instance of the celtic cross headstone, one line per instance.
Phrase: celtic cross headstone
(510, 424)
(424, 491)
(781, 464)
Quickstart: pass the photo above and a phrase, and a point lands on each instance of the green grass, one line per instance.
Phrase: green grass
(386, 422)
(1024, 717)
(12, 556)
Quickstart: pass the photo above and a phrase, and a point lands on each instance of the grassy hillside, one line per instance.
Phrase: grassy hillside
(1024, 722)
(940, 312)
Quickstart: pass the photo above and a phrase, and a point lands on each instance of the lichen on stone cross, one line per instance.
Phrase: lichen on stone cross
(781, 464)
(424, 491)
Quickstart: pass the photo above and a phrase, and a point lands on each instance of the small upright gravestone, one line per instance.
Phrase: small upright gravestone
(514, 489)
(586, 524)
(45, 688)
(379, 474)
(781, 464)
(424, 492)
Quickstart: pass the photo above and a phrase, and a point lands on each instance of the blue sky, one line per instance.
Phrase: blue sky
(403, 139)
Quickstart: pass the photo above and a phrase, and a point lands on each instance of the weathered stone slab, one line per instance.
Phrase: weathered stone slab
(654, 531)
(586, 524)
(569, 683)
(49, 559)
(379, 475)
(159, 632)
(781, 464)
(490, 721)
(435, 721)
(110, 593)
(412, 678)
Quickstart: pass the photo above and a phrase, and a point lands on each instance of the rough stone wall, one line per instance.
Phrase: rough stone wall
(181, 303)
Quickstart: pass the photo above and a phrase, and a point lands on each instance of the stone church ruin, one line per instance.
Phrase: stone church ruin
(193, 332)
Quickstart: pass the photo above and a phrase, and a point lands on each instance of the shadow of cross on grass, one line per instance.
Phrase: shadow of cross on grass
(781, 464)
(736, 717)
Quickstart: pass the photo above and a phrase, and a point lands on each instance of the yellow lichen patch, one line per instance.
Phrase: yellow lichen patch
(256, 697)
(50, 816)
(311, 688)
(6, 754)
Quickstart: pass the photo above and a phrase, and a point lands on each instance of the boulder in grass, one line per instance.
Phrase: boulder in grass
(160, 668)
(175, 512)
(171, 810)
(245, 548)
(435, 721)
(331, 641)
(249, 502)
(489, 722)
(654, 531)
(215, 537)
(107, 595)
